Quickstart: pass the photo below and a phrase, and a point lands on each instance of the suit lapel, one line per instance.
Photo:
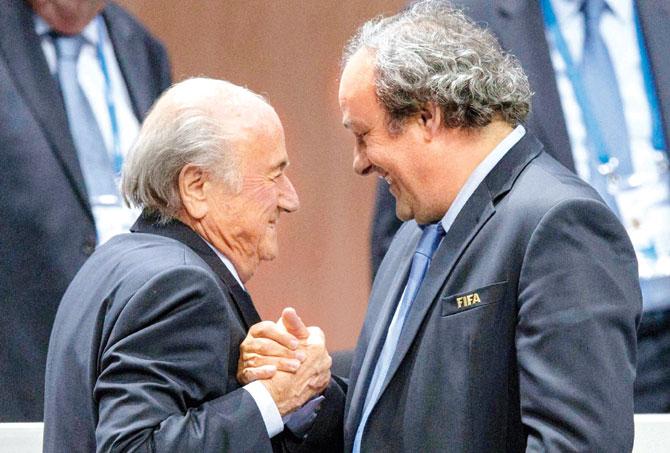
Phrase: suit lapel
(470, 220)
(391, 291)
(131, 56)
(655, 19)
(180, 232)
(29, 69)
(521, 32)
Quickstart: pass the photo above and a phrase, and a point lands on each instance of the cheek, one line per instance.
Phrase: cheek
(262, 197)
(388, 156)
(268, 247)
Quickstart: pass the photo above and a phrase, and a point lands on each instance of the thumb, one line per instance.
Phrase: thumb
(293, 324)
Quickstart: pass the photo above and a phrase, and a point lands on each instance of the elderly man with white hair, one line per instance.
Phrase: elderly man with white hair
(145, 347)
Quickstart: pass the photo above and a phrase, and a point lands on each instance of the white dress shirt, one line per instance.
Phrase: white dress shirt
(644, 212)
(92, 81)
(617, 28)
(112, 217)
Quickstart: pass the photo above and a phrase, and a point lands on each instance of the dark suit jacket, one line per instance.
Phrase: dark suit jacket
(46, 224)
(144, 352)
(519, 27)
(522, 335)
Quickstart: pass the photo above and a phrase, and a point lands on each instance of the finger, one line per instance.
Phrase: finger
(272, 331)
(248, 375)
(269, 348)
(280, 363)
(293, 324)
(260, 327)
(319, 382)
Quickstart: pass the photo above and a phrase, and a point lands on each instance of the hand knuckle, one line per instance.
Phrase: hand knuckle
(264, 348)
(264, 327)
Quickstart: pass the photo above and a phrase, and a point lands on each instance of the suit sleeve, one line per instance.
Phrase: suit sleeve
(579, 306)
(162, 379)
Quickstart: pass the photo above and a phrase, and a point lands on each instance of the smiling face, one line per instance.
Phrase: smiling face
(243, 224)
(402, 159)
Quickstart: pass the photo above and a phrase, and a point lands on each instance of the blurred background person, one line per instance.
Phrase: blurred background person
(76, 78)
(600, 73)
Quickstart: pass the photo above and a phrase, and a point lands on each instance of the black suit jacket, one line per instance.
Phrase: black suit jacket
(144, 352)
(519, 27)
(522, 335)
(46, 224)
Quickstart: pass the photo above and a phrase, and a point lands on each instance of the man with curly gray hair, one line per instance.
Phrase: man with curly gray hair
(503, 317)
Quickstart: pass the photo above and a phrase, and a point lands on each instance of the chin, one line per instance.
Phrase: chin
(269, 253)
(403, 212)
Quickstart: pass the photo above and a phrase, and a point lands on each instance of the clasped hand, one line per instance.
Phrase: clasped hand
(291, 360)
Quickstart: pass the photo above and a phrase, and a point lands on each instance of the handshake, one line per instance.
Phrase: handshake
(290, 360)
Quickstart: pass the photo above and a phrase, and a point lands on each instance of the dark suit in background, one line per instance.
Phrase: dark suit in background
(556, 282)
(158, 315)
(46, 225)
(519, 26)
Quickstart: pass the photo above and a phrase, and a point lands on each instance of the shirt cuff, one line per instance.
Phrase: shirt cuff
(266, 405)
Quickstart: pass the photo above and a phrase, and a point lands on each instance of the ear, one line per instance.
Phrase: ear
(192, 180)
(430, 120)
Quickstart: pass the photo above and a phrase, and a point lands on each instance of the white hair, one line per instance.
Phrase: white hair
(197, 121)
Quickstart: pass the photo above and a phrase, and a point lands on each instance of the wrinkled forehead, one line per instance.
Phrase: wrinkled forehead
(260, 141)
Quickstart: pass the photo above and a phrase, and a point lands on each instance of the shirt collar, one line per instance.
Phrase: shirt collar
(226, 262)
(622, 9)
(479, 173)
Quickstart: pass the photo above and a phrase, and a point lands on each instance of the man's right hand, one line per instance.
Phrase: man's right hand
(263, 355)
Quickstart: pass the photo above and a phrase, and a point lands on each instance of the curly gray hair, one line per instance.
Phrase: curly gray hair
(432, 52)
(196, 121)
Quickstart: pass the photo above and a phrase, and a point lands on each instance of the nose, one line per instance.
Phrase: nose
(288, 197)
(362, 165)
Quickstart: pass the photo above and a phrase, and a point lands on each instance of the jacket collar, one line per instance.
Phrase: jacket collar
(176, 230)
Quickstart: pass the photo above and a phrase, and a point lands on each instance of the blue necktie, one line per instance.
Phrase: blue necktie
(602, 89)
(91, 151)
(430, 239)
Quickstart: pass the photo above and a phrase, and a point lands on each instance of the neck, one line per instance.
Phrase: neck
(462, 151)
(227, 244)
